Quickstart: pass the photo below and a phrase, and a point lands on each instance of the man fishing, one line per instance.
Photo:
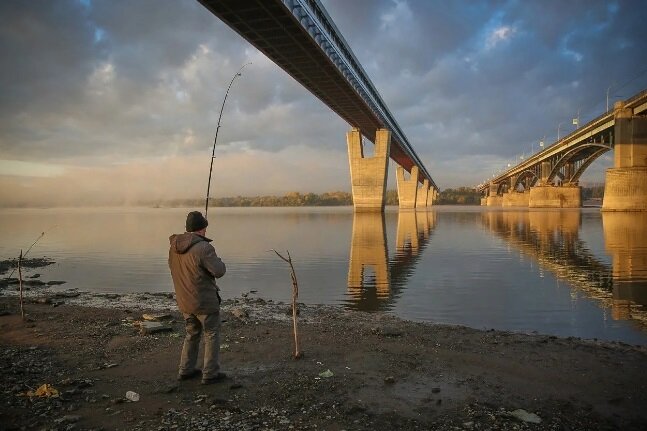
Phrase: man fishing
(194, 268)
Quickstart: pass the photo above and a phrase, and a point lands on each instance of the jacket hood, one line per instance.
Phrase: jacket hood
(181, 243)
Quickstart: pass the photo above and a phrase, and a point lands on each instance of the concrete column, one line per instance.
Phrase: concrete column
(433, 198)
(407, 189)
(546, 167)
(368, 251)
(421, 195)
(626, 183)
(368, 175)
(570, 171)
(493, 199)
(494, 188)
(430, 196)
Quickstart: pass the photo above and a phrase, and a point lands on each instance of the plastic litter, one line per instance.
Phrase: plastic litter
(326, 374)
(45, 390)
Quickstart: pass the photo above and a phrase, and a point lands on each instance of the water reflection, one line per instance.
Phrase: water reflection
(551, 238)
(374, 279)
(625, 238)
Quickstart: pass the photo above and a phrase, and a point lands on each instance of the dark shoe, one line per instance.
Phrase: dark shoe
(191, 375)
(215, 379)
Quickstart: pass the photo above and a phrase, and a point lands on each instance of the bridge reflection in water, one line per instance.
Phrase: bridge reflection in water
(551, 238)
(375, 279)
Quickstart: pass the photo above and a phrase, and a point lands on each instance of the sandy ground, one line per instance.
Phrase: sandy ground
(359, 371)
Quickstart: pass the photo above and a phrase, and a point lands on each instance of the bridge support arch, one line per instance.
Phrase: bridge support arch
(626, 183)
(368, 174)
(407, 188)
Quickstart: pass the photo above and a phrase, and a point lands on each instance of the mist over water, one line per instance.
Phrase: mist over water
(564, 272)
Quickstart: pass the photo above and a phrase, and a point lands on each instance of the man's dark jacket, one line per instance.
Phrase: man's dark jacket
(194, 268)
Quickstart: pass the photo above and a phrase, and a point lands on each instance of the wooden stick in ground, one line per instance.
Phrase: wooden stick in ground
(22, 310)
(295, 295)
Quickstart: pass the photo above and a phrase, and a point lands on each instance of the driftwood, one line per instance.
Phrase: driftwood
(42, 234)
(295, 294)
(22, 310)
(20, 259)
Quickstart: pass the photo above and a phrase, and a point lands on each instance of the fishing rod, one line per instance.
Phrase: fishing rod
(215, 139)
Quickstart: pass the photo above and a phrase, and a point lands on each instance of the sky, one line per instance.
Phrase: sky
(117, 102)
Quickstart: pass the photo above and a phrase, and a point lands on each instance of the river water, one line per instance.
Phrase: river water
(563, 272)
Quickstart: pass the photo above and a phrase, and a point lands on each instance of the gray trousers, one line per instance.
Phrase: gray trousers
(207, 326)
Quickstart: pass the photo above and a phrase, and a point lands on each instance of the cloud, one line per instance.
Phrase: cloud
(103, 85)
(498, 35)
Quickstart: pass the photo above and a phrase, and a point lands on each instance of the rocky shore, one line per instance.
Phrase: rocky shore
(359, 371)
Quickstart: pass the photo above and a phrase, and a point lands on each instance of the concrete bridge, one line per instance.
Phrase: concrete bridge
(301, 38)
(549, 179)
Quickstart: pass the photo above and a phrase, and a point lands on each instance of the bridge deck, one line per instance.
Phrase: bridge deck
(603, 122)
(274, 29)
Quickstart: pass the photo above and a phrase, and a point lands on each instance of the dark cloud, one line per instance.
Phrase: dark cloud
(473, 84)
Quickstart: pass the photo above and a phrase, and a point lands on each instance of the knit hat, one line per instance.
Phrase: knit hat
(195, 221)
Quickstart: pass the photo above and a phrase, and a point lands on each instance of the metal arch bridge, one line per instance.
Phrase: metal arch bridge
(301, 38)
(567, 159)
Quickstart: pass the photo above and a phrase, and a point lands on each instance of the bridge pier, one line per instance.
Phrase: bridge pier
(432, 195)
(567, 196)
(422, 194)
(407, 189)
(493, 199)
(368, 174)
(516, 199)
(626, 183)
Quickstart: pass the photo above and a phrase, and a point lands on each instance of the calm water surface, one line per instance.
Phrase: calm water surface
(564, 272)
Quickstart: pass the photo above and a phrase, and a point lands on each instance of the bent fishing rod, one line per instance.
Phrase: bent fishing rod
(215, 139)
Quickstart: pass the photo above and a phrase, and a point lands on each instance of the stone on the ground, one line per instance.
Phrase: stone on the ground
(70, 419)
(239, 313)
(156, 317)
(525, 416)
(146, 327)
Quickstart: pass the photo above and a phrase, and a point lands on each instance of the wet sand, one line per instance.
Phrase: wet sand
(360, 371)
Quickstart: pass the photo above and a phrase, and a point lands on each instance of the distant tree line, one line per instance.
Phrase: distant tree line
(593, 192)
(458, 196)
(292, 199)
